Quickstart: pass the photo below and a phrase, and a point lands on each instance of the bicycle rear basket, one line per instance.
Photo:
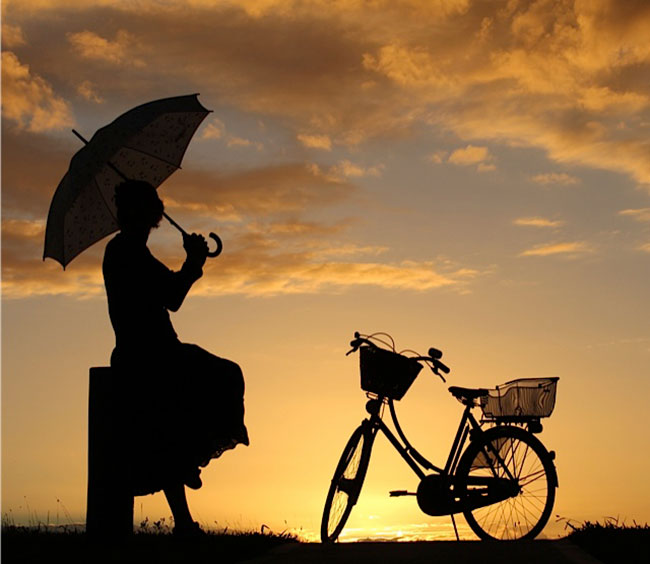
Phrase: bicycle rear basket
(525, 398)
(386, 373)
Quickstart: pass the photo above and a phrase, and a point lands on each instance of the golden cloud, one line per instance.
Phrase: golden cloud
(562, 76)
(12, 36)
(29, 101)
(484, 167)
(88, 91)
(466, 156)
(568, 77)
(32, 166)
(438, 157)
(241, 142)
(215, 129)
(289, 258)
(537, 222)
(639, 214)
(24, 277)
(276, 252)
(23, 228)
(315, 141)
(469, 155)
(25, 274)
(348, 169)
(555, 178)
(92, 46)
(260, 192)
(571, 249)
(260, 266)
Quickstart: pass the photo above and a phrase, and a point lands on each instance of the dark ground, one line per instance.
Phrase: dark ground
(21, 545)
(614, 544)
(586, 546)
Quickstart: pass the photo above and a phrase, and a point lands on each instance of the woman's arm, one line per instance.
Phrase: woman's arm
(178, 284)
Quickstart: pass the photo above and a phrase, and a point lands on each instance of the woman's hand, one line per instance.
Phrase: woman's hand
(196, 248)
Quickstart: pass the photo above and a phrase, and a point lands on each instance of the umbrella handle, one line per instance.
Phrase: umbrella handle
(214, 236)
(219, 248)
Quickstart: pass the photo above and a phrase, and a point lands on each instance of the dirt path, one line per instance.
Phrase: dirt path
(441, 552)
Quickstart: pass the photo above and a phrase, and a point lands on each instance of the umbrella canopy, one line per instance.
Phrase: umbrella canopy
(146, 143)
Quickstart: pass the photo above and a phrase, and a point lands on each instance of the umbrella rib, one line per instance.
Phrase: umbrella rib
(110, 211)
(176, 167)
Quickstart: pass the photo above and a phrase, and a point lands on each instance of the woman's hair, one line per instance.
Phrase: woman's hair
(138, 204)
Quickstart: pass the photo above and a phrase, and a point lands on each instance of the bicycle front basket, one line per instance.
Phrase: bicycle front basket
(525, 398)
(386, 373)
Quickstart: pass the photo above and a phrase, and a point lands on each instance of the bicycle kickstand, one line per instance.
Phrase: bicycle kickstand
(453, 520)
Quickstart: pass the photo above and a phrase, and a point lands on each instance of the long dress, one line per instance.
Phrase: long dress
(183, 405)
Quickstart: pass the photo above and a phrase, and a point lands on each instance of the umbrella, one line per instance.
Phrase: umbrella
(146, 143)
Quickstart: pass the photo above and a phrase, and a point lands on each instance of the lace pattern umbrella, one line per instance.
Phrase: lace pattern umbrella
(146, 143)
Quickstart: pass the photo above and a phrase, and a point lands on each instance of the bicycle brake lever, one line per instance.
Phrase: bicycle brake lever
(355, 345)
(434, 369)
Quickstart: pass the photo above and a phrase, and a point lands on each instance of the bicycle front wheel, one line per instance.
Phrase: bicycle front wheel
(525, 467)
(346, 484)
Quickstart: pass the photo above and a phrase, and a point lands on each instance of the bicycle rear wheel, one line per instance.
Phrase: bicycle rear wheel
(507, 452)
(346, 483)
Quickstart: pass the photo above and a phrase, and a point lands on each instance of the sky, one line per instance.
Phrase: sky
(465, 174)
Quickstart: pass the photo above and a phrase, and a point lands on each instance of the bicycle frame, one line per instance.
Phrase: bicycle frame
(418, 463)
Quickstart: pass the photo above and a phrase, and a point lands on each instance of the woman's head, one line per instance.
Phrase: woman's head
(138, 205)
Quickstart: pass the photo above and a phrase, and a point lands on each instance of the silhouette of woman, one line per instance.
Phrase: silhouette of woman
(186, 406)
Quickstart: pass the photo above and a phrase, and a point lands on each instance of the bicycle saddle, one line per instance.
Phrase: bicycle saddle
(467, 394)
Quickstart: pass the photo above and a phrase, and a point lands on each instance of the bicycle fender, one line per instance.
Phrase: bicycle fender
(496, 431)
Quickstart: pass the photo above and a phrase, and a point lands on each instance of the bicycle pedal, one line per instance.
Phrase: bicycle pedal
(400, 493)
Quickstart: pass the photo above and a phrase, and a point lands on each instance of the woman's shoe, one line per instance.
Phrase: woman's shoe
(190, 531)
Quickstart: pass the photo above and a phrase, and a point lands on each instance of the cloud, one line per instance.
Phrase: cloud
(555, 178)
(645, 247)
(347, 169)
(438, 157)
(639, 214)
(90, 45)
(537, 222)
(12, 36)
(23, 228)
(572, 249)
(260, 264)
(32, 166)
(261, 192)
(466, 156)
(87, 91)
(353, 249)
(271, 247)
(566, 77)
(25, 274)
(469, 155)
(262, 260)
(315, 141)
(295, 228)
(29, 101)
(215, 129)
(241, 142)
(289, 275)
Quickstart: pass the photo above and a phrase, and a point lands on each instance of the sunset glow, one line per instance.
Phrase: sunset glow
(466, 174)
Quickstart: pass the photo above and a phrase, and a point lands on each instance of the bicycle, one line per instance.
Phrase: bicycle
(503, 480)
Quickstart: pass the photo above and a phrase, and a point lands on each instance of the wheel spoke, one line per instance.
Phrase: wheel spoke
(511, 453)
(346, 485)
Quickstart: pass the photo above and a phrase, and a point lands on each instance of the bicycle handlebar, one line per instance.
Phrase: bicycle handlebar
(433, 360)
